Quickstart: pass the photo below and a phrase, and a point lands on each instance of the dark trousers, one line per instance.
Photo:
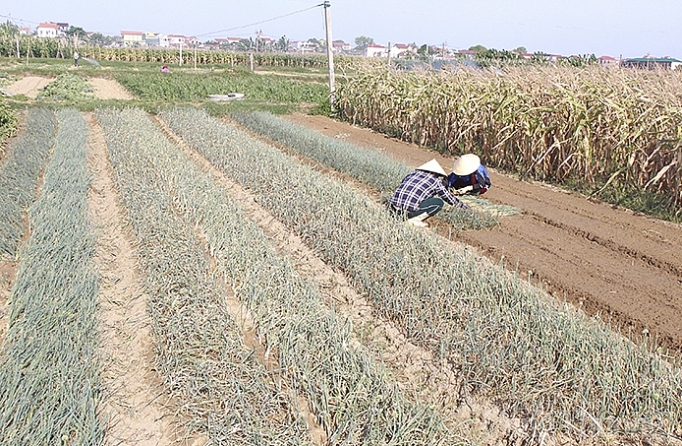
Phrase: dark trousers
(431, 206)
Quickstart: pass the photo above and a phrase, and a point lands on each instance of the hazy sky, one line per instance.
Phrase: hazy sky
(630, 28)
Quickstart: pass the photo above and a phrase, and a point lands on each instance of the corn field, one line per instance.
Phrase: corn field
(207, 265)
(601, 128)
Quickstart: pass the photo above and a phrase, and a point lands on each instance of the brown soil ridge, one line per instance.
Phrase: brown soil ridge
(612, 262)
(108, 89)
(133, 390)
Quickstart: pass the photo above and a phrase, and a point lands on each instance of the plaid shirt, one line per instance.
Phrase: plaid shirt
(419, 186)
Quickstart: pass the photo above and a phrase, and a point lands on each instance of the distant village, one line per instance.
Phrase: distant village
(260, 43)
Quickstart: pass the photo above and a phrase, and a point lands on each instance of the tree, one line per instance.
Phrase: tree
(477, 48)
(9, 29)
(315, 44)
(100, 39)
(425, 52)
(362, 42)
(76, 31)
(282, 44)
(521, 50)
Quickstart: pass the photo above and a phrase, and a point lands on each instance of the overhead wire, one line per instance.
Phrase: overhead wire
(259, 23)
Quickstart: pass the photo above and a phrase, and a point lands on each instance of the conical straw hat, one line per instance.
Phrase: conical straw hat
(466, 164)
(432, 166)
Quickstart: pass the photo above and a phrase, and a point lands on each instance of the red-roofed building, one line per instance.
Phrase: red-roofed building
(374, 50)
(339, 46)
(47, 29)
(401, 50)
(608, 62)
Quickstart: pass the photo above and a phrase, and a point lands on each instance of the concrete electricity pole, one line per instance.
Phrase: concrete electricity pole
(330, 53)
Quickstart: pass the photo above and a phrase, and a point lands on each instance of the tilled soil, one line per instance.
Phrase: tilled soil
(625, 267)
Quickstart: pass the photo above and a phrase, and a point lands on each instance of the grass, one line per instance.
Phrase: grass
(8, 124)
(49, 386)
(540, 360)
(184, 86)
(20, 173)
(66, 87)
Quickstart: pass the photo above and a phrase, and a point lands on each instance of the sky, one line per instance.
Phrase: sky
(618, 28)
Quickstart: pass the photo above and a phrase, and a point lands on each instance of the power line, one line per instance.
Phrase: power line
(259, 23)
(18, 20)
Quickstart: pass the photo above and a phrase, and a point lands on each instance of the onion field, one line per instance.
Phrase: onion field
(249, 348)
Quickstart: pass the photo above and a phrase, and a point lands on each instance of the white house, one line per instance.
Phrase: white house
(339, 46)
(133, 38)
(374, 50)
(303, 46)
(156, 40)
(400, 50)
(176, 40)
(608, 62)
(47, 29)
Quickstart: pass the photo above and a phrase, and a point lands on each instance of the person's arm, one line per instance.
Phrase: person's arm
(448, 197)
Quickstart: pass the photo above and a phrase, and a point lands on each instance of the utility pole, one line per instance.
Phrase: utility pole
(330, 53)
(388, 58)
(181, 53)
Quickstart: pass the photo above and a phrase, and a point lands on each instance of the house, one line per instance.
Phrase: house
(133, 38)
(47, 29)
(374, 50)
(178, 40)
(156, 40)
(608, 62)
(25, 31)
(468, 54)
(652, 63)
(400, 50)
(339, 46)
(303, 46)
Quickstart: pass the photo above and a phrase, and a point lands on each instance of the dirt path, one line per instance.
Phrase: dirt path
(29, 86)
(108, 89)
(132, 387)
(103, 88)
(625, 267)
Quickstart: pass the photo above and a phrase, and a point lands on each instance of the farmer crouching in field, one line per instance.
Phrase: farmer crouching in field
(469, 176)
(422, 194)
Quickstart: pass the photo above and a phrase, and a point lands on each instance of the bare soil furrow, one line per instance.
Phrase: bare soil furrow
(134, 394)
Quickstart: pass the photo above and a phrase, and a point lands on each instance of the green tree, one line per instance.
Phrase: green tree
(282, 44)
(9, 29)
(76, 31)
(100, 39)
(478, 48)
(362, 42)
(521, 50)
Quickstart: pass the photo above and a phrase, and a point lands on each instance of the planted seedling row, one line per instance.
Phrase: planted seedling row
(215, 380)
(365, 164)
(20, 175)
(49, 371)
(350, 396)
(543, 361)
